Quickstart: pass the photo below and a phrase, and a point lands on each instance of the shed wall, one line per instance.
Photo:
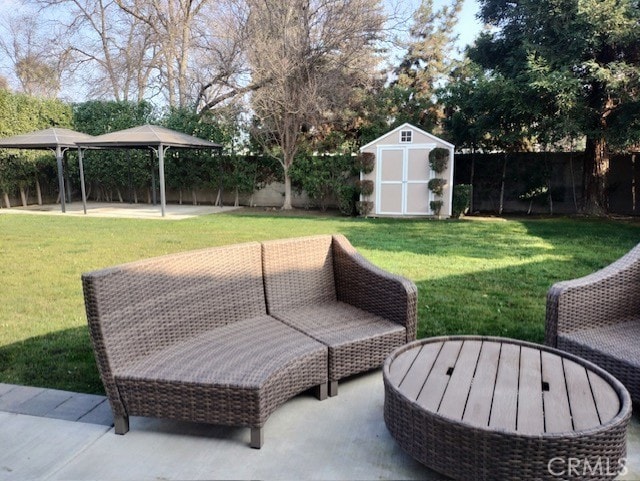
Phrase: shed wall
(402, 172)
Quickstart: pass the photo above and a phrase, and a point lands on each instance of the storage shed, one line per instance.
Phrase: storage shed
(397, 177)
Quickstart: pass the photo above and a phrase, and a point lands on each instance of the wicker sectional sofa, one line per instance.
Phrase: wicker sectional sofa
(226, 335)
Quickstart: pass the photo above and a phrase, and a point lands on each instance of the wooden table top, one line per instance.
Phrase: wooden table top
(503, 385)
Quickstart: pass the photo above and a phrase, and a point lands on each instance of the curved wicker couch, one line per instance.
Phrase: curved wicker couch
(226, 335)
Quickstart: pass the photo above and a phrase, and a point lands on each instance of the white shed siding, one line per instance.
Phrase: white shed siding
(402, 172)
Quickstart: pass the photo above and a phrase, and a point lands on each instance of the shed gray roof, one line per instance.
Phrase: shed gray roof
(45, 139)
(148, 136)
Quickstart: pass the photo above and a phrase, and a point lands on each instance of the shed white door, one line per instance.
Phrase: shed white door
(403, 175)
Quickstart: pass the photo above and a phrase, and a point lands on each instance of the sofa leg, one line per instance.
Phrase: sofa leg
(320, 391)
(121, 424)
(257, 438)
(333, 388)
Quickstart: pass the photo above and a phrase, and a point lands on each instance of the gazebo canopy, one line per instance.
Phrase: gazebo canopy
(148, 136)
(56, 139)
(45, 139)
(157, 138)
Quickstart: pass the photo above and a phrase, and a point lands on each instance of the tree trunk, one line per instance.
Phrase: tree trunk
(120, 199)
(236, 202)
(7, 202)
(23, 197)
(596, 167)
(287, 191)
(194, 197)
(573, 180)
(180, 196)
(38, 191)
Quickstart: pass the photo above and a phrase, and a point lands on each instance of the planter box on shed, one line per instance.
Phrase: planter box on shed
(402, 173)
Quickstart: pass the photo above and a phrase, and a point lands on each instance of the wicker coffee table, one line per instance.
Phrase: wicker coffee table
(492, 408)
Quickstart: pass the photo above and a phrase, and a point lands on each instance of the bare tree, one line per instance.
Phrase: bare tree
(224, 73)
(37, 62)
(111, 50)
(173, 23)
(309, 54)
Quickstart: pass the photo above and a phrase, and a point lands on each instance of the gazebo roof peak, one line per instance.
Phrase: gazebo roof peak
(148, 136)
(50, 138)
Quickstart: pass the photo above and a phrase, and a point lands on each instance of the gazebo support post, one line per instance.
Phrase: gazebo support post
(59, 154)
(65, 170)
(153, 179)
(163, 195)
(82, 186)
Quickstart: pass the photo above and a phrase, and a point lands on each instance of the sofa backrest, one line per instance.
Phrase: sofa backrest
(298, 272)
(136, 309)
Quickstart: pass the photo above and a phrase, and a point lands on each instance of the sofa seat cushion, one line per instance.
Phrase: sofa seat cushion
(619, 339)
(237, 374)
(357, 340)
(614, 348)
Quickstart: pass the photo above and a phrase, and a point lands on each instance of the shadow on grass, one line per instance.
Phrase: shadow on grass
(504, 301)
(508, 301)
(60, 360)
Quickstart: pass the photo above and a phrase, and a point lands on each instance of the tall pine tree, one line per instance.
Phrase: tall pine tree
(429, 59)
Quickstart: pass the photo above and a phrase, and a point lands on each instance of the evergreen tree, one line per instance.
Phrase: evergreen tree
(427, 63)
(581, 59)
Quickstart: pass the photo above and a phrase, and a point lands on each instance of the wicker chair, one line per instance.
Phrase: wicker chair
(597, 317)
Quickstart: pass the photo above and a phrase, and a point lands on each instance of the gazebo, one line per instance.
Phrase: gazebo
(158, 139)
(55, 139)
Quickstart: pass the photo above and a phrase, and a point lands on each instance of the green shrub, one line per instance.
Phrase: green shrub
(320, 176)
(436, 206)
(364, 187)
(364, 207)
(438, 159)
(347, 195)
(437, 186)
(461, 199)
(365, 162)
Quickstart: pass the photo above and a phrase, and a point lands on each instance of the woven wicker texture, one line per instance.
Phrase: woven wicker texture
(187, 336)
(366, 286)
(298, 272)
(227, 375)
(357, 339)
(465, 451)
(378, 311)
(597, 317)
(155, 324)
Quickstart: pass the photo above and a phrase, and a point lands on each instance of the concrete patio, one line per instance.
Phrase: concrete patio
(122, 210)
(48, 434)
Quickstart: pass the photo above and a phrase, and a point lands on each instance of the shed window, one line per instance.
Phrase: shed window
(406, 136)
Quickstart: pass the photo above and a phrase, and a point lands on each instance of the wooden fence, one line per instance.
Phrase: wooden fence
(544, 182)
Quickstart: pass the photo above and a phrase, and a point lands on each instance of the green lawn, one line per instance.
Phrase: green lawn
(474, 276)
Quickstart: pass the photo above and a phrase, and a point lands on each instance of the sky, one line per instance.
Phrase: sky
(468, 26)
